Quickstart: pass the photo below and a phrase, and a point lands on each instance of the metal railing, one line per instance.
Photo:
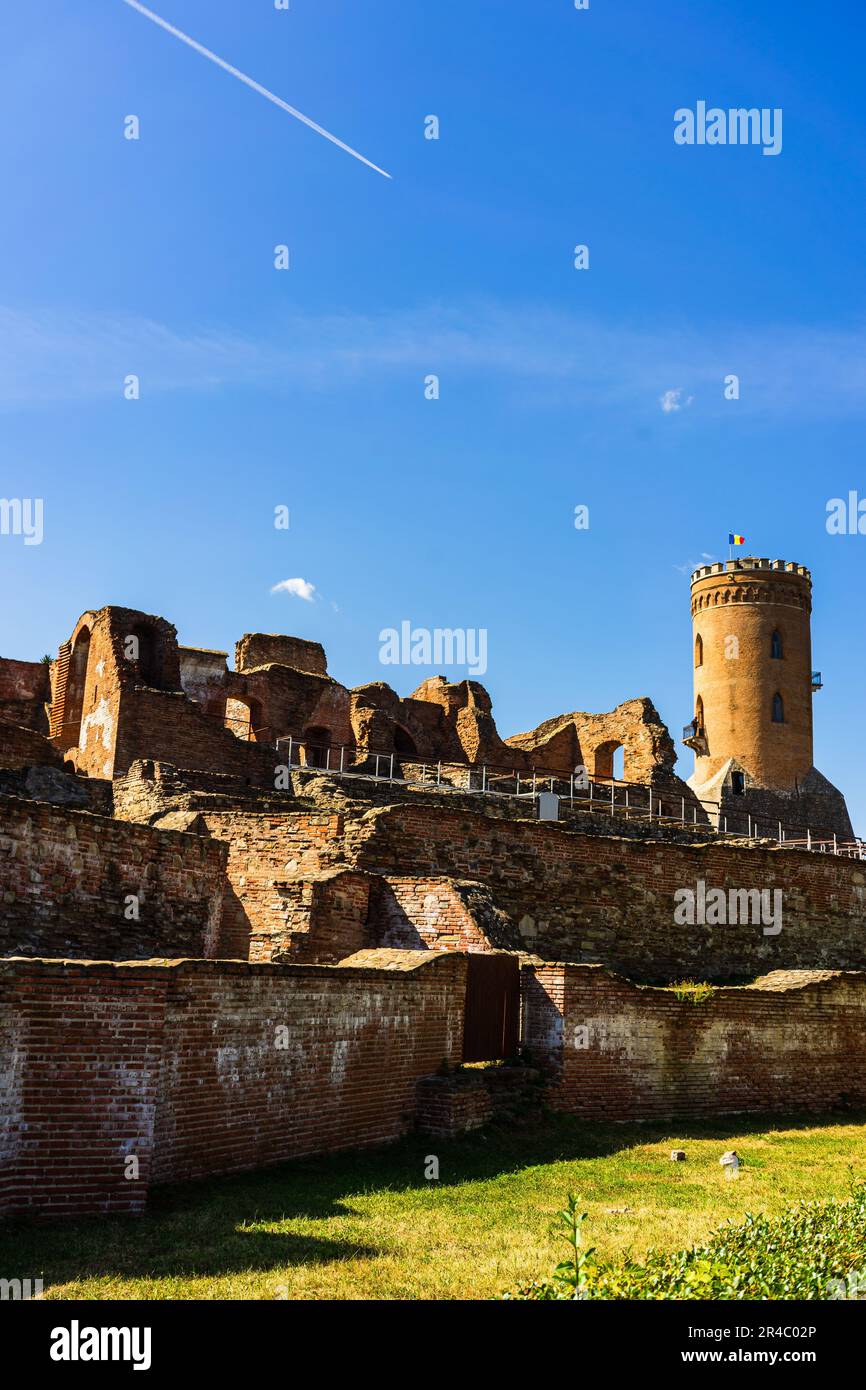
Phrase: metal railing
(583, 792)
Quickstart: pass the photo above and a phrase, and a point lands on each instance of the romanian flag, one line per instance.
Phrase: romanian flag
(735, 540)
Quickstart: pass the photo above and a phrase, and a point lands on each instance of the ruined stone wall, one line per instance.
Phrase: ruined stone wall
(150, 790)
(818, 809)
(198, 1068)
(205, 678)
(585, 898)
(560, 744)
(615, 1051)
(422, 914)
(24, 747)
(269, 648)
(166, 726)
(268, 856)
(98, 665)
(66, 875)
(460, 877)
(320, 919)
(25, 689)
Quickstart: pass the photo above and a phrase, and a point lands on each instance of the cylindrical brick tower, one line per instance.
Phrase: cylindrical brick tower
(753, 671)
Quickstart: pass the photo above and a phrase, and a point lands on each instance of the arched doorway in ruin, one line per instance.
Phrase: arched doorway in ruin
(404, 743)
(243, 718)
(76, 682)
(609, 761)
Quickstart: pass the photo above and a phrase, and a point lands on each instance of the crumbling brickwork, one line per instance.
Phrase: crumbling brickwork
(592, 739)
(79, 885)
(568, 896)
(345, 916)
(25, 691)
(615, 1051)
(194, 1068)
(23, 747)
(266, 852)
(320, 918)
(424, 913)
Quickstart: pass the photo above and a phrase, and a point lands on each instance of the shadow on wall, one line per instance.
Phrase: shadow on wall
(389, 925)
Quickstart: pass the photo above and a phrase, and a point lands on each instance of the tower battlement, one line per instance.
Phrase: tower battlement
(750, 562)
(752, 580)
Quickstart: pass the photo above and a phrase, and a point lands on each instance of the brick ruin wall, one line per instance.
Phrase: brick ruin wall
(566, 896)
(174, 730)
(268, 857)
(66, 878)
(320, 884)
(25, 690)
(617, 1051)
(171, 1061)
(447, 879)
(200, 1067)
(24, 747)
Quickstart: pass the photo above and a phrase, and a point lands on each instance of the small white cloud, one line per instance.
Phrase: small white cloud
(298, 588)
(673, 400)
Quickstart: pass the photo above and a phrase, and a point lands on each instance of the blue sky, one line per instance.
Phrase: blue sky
(306, 387)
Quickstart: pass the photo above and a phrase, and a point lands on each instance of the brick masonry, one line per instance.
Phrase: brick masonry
(567, 896)
(791, 1039)
(25, 690)
(267, 854)
(202, 1067)
(23, 747)
(66, 877)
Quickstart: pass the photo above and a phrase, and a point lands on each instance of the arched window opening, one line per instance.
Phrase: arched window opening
(776, 646)
(404, 744)
(699, 650)
(778, 709)
(699, 715)
(243, 718)
(603, 764)
(75, 686)
(317, 747)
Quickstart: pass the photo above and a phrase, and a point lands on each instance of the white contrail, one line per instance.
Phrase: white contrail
(256, 86)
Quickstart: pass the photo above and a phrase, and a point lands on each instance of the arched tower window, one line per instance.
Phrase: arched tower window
(75, 688)
(699, 715)
(778, 709)
(699, 650)
(776, 646)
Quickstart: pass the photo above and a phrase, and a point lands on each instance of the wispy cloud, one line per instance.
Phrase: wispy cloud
(298, 588)
(691, 565)
(538, 355)
(673, 400)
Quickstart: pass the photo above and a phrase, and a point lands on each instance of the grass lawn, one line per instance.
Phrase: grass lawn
(368, 1225)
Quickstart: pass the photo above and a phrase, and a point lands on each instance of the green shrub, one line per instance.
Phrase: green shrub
(815, 1250)
(693, 991)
